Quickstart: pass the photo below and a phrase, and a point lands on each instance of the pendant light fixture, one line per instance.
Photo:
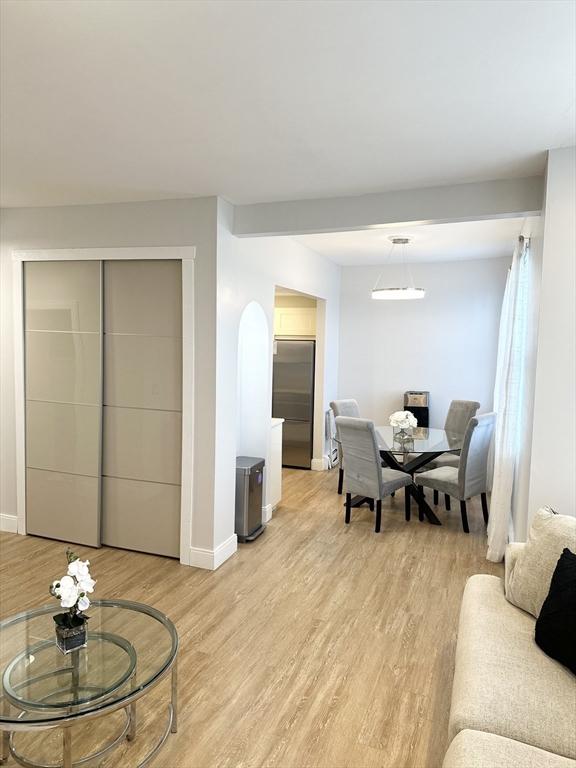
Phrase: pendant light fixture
(398, 293)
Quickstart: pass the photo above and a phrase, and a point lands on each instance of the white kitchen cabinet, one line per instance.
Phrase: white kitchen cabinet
(295, 321)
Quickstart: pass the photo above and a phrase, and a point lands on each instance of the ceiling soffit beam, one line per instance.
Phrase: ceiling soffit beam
(502, 198)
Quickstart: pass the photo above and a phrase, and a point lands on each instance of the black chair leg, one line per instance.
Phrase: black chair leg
(436, 498)
(348, 506)
(378, 515)
(421, 489)
(447, 502)
(407, 501)
(464, 517)
(392, 494)
(371, 504)
(340, 481)
(484, 507)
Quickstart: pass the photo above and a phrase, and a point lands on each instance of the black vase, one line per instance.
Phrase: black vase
(71, 632)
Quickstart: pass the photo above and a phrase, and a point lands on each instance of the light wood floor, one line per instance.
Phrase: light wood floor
(320, 644)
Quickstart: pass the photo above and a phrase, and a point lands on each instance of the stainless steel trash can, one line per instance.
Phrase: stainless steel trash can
(249, 478)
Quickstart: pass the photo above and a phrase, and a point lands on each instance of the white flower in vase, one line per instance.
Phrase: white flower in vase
(67, 592)
(83, 603)
(72, 589)
(403, 420)
(79, 568)
(86, 583)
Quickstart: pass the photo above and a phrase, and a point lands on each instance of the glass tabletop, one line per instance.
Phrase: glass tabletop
(422, 440)
(130, 646)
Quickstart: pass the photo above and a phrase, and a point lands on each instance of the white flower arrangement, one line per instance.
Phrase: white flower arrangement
(72, 589)
(403, 419)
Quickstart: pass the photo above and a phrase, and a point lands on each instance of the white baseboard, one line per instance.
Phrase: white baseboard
(210, 559)
(9, 523)
(319, 465)
(267, 510)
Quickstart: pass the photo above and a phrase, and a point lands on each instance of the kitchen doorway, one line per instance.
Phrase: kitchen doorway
(297, 377)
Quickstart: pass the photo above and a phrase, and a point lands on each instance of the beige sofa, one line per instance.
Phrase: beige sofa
(512, 705)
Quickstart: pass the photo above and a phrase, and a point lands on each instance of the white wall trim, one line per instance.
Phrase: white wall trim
(187, 255)
(19, 395)
(319, 416)
(188, 400)
(319, 465)
(8, 523)
(211, 559)
(267, 510)
(103, 254)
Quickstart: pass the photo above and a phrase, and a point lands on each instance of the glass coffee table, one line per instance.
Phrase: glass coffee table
(131, 648)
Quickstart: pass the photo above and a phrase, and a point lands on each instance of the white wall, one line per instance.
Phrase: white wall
(445, 343)
(170, 222)
(249, 270)
(253, 381)
(553, 466)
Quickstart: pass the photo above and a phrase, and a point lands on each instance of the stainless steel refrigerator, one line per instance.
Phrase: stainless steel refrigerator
(293, 399)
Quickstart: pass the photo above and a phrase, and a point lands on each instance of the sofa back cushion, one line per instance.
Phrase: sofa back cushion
(556, 625)
(529, 580)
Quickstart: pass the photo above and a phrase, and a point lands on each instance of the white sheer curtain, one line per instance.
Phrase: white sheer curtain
(509, 392)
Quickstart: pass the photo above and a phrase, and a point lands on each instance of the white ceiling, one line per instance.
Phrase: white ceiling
(256, 101)
(429, 242)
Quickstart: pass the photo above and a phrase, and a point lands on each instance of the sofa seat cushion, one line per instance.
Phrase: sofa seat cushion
(504, 683)
(475, 749)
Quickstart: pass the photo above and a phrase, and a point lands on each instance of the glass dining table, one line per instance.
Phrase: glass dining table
(410, 452)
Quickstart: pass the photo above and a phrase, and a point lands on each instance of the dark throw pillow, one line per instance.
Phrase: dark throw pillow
(556, 624)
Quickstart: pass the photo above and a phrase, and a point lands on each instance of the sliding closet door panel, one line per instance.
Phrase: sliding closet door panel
(142, 516)
(63, 506)
(63, 437)
(144, 297)
(62, 310)
(142, 431)
(142, 445)
(143, 372)
(61, 296)
(63, 367)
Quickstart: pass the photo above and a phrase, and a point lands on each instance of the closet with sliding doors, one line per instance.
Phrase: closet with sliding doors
(103, 389)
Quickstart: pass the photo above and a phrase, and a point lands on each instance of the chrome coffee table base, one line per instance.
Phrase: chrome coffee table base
(128, 732)
(115, 670)
(27, 762)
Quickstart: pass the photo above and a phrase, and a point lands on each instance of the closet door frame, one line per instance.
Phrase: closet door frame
(184, 254)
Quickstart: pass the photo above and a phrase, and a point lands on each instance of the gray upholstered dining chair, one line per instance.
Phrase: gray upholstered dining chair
(343, 408)
(459, 414)
(363, 471)
(470, 478)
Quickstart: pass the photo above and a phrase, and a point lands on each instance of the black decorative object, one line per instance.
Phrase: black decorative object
(71, 631)
(556, 624)
(418, 403)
